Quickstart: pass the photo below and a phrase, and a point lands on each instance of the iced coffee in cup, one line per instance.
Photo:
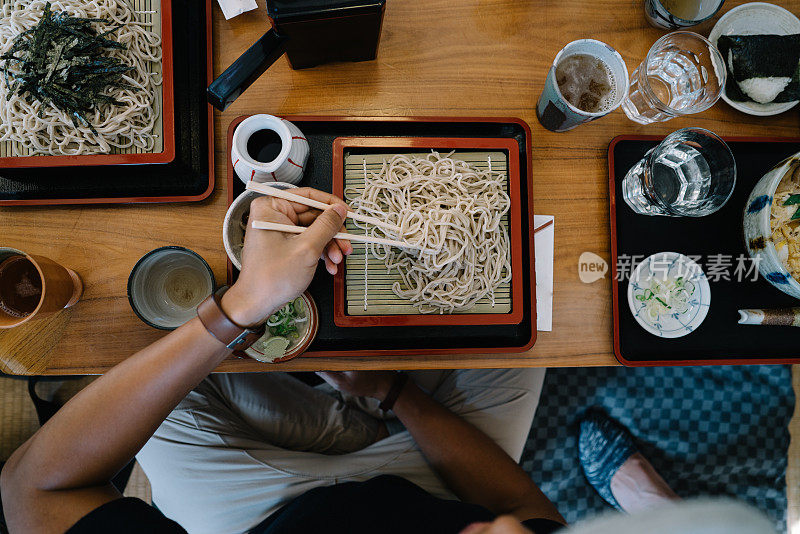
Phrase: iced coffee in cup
(587, 80)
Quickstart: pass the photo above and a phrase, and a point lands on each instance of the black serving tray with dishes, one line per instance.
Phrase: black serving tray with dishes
(332, 340)
(186, 178)
(719, 339)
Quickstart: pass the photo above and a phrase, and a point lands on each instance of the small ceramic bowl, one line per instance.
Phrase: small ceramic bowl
(757, 231)
(672, 265)
(307, 336)
(232, 231)
(167, 284)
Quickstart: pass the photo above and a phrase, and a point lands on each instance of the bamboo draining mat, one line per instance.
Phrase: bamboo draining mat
(149, 13)
(381, 300)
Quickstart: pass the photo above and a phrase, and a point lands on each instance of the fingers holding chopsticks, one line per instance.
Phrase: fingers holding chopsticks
(337, 249)
(332, 251)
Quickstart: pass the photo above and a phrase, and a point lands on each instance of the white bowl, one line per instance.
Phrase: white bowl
(758, 233)
(308, 335)
(674, 265)
(753, 19)
(232, 232)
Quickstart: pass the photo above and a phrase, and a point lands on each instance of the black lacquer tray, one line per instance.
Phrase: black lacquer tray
(719, 339)
(189, 177)
(376, 340)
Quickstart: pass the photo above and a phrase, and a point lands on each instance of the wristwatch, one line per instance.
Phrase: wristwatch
(400, 380)
(221, 326)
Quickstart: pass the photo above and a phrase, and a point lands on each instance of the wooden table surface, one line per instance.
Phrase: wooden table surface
(438, 57)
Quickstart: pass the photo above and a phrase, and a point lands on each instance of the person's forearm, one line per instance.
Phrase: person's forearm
(98, 431)
(473, 466)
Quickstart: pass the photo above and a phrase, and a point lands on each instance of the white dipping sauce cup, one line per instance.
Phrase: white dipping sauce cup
(286, 167)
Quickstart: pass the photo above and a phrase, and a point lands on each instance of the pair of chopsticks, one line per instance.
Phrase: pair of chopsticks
(287, 228)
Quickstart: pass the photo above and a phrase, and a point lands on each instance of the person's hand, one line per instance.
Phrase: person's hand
(375, 384)
(277, 267)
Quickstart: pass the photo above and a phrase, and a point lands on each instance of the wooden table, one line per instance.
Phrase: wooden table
(438, 57)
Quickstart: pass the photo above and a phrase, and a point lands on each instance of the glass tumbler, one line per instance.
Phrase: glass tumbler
(691, 173)
(677, 14)
(555, 112)
(682, 74)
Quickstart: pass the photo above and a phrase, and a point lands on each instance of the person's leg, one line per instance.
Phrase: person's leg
(287, 413)
(202, 461)
(212, 472)
(614, 467)
(637, 486)
(500, 402)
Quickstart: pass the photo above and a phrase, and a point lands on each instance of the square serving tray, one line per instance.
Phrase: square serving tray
(334, 340)
(719, 339)
(383, 307)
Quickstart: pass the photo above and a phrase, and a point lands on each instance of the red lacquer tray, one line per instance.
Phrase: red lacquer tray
(442, 144)
(187, 175)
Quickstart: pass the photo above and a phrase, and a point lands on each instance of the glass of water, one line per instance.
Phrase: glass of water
(691, 173)
(683, 74)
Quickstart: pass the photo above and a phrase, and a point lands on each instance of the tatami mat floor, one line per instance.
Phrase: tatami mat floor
(18, 422)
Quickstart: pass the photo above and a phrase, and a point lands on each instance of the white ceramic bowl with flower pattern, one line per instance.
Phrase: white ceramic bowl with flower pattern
(757, 231)
(664, 266)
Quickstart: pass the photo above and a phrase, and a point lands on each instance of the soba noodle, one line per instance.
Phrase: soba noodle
(454, 213)
(45, 129)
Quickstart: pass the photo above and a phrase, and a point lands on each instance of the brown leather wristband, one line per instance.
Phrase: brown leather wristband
(222, 327)
(400, 380)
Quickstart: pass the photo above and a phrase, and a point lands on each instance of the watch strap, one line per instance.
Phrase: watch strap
(221, 326)
(400, 380)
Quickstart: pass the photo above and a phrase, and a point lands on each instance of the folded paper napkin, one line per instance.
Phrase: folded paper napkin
(544, 243)
(232, 8)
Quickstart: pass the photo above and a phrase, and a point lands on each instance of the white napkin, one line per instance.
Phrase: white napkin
(544, 243)
(232, 8)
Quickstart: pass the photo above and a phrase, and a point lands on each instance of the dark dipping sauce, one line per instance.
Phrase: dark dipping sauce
(264, 145)
(20, 286)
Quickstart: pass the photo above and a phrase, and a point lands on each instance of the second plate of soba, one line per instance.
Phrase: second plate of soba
(457, 202)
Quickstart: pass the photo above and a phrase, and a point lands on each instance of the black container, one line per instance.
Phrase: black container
(310, 32)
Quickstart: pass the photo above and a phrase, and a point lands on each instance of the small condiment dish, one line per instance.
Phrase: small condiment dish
(307, 335)
(669, 266)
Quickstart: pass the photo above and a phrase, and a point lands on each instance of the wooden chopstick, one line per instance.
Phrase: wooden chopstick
(288, 228)
(266, 189)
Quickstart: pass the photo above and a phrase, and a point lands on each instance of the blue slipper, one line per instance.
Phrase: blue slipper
(603, 446)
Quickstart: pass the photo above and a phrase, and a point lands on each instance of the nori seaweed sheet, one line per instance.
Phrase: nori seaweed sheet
(761, 56)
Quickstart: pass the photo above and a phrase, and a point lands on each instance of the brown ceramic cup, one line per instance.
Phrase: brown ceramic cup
(61, 287)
